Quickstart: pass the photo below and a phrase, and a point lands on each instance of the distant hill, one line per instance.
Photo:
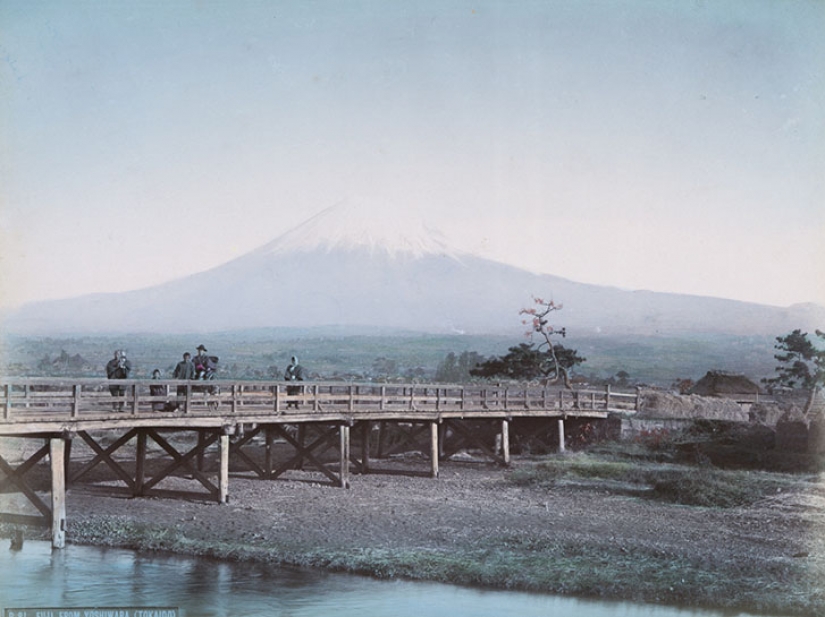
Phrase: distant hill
(353, 273)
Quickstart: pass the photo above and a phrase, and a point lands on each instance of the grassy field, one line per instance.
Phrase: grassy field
(334, 355)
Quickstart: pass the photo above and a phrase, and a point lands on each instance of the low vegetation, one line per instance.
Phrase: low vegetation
(668, 482)
(379, 356)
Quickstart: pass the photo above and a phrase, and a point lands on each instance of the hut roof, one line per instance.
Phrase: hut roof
(719, 383)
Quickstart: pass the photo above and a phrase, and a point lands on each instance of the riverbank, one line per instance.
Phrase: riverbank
(480, 525)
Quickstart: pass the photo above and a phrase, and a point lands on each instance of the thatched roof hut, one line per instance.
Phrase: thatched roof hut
(729, 385)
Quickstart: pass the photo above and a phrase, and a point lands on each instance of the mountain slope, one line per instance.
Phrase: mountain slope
(342, 269)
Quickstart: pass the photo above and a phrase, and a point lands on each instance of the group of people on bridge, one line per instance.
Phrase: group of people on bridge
(202, 367)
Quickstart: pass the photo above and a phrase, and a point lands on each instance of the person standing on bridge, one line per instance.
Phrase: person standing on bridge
(118, 367)
(205, 366)
(158, 390)
(294, 372)
(185, 369)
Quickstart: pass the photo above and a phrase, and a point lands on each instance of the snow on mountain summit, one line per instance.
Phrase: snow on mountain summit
(354, 225)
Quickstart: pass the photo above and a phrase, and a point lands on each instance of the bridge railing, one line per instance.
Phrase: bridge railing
(28, 399)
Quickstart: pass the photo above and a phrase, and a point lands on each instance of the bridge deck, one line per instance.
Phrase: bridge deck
(138, 412)
(42, 405)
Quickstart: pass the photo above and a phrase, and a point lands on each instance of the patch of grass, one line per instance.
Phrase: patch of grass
(704, 486)
(673, 483)
(589, 567)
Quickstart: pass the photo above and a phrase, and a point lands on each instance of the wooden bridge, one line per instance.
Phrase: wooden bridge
(228, 415)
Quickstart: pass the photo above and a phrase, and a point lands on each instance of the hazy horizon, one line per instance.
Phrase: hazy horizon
(666, 146)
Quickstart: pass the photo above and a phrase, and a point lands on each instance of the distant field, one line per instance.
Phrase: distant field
(326, 355)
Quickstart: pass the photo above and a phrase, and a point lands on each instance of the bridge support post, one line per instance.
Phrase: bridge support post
(505, 441)
(268, 451)
(57, 452)
(561, 435)
(343, 435)
(199, 457)
(140, 463)
(223, 481)
(366, 429)
(434, 449)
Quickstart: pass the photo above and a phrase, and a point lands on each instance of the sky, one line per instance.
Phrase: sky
(674, 146)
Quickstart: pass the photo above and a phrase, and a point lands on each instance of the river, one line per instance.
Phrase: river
(38, 577)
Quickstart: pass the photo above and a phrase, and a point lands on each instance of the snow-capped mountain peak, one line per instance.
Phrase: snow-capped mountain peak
(358, 225)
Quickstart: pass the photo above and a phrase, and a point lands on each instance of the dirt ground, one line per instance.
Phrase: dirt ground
(398, 508)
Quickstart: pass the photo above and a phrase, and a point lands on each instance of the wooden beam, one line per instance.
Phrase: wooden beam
(140, 463)
(58, 463)
(237, 449)
(561, 435)
(343, 436)
(223, 494)
(182, 461)
(15, 476)
(472, 439)
(325, 440)
(366, 433)
(434, 449)
(268, 452)
(105, 456)
(505, 441)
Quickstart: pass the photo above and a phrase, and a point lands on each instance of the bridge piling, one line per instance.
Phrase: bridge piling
(434, 449)
(505, 441)
(344, 450)
(223, 484)
(561, 435)
(57, 451)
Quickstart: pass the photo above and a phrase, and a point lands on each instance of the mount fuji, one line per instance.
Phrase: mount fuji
(384, 272)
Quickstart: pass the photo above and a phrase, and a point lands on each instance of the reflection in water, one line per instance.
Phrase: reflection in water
(79, 576)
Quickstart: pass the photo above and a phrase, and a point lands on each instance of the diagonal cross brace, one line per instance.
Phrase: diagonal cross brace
(325, 439)
(104, 456)
(15, 476)
(472, 439)
(182, 461)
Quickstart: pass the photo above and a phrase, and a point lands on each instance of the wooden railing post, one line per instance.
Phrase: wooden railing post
(607, 397)
(75, 400)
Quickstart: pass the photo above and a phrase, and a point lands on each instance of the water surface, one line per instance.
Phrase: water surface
(81, 576)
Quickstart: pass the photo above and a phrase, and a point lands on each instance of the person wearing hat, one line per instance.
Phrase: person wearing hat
(204, 365)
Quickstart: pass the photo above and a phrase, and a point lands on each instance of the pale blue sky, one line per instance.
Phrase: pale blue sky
(672, 146)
